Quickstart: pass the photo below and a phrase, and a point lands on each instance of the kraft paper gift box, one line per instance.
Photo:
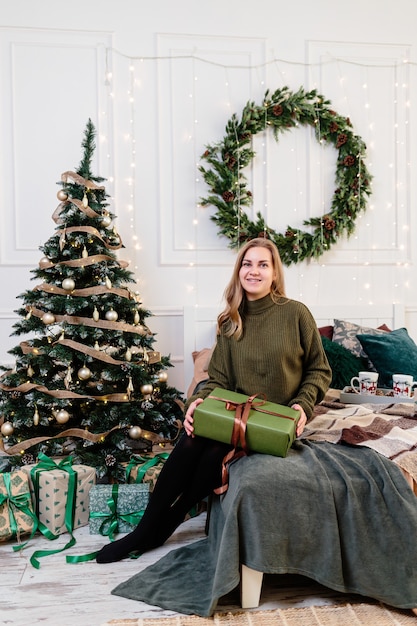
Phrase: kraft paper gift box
(117, 508)
(270, 427)
(145, 468)
(60, 494)
(17, 515)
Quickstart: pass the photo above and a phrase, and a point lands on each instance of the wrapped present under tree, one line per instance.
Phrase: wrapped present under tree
(117, 508)
(60, 494)
(145, 468)
(17, 515)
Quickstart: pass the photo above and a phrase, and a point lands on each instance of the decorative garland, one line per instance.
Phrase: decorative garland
(284, 110)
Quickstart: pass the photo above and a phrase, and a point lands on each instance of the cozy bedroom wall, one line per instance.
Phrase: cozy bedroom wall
(160, 81)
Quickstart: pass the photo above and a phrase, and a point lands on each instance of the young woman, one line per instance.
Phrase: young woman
(266, 344)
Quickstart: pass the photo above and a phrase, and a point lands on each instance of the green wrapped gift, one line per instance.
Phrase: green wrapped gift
(116, 508)
(230, 417)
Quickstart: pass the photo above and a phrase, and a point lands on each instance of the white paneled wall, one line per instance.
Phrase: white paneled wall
(160, 83)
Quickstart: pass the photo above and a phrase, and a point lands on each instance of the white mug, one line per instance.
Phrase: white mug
(367, 382)
(403, 385)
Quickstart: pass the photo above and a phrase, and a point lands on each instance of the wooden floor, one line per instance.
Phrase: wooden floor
(61, 594)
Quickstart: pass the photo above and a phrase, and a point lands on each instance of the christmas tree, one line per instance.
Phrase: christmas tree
(86, 382)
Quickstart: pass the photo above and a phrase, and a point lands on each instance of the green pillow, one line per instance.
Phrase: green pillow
(344, 364)
(393, 353)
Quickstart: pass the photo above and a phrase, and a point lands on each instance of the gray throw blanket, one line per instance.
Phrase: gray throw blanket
(341, 515)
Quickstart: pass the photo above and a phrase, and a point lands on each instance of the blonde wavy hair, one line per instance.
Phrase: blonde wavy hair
(234, 293)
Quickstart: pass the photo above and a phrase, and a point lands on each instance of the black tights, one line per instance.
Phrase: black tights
(191, 472)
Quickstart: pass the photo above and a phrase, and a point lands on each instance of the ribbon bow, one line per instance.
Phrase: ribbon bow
(147, 463)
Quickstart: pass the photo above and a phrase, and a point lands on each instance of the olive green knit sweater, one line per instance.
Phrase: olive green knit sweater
(280, 354)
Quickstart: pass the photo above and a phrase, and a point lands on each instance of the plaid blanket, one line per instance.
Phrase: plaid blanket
(390, 429)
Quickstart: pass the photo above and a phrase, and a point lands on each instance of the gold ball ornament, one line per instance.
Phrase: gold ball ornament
(106, 221)
(62, 195)
(7, 429)
(68, 284)
(48, 318)
(111, 315)
(44, 262)
(135, 432)
(163, 377)
(146, 389)
(84, 373)
(62, 416)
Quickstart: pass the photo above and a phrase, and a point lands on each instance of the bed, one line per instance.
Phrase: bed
(342, 544)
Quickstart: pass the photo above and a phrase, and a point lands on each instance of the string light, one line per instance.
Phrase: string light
(285, 71)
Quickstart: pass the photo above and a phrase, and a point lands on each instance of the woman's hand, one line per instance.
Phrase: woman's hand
(302, 420)
(189, 420)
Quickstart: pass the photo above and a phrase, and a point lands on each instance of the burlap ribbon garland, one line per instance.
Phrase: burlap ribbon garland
(85, 261)
(64, 394)
(88, 291)
(18, 448)
(87, 321)
(79, 180)
(88, 211)
(150, 356)
(90, 230)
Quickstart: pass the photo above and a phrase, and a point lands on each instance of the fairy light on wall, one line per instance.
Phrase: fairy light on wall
(374, 250)
(132, 196)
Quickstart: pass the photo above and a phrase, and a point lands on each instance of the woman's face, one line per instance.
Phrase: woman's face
(257, 273)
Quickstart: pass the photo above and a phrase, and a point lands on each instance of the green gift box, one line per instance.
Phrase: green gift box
(117, 508)
(247, 422)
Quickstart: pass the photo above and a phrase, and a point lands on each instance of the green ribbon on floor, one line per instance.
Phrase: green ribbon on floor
(47, 464)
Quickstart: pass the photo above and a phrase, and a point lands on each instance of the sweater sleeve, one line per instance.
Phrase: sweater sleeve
(317, 373)
(219, 371)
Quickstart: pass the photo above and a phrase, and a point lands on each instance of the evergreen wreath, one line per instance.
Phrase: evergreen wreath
(284, 110)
